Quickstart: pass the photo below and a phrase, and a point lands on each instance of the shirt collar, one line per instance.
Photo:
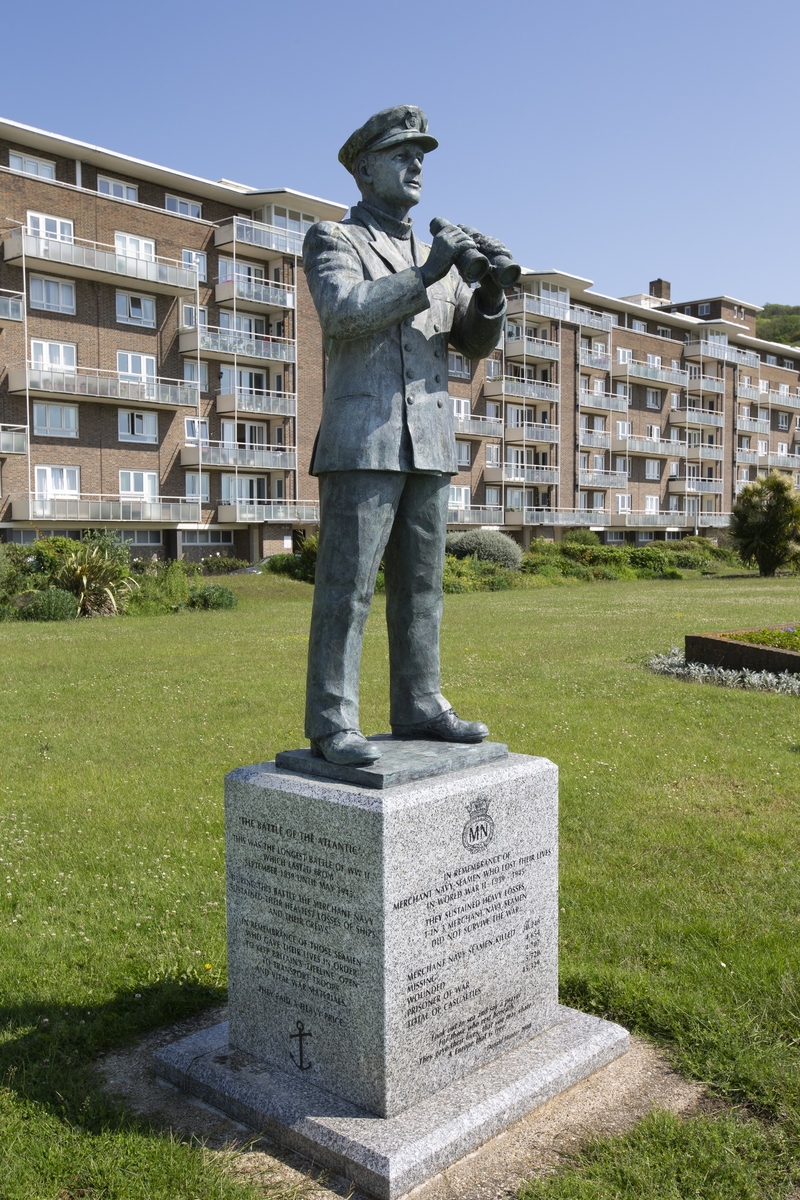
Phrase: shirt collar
(389, 224)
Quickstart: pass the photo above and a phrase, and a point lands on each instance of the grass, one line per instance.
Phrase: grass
(679, 843)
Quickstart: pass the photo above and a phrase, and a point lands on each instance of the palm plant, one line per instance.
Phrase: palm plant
(765, 524)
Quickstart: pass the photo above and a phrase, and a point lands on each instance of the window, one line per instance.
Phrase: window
(196, 430)
(52, 295)
(662, 331)
(249, 272)
(244, 487)
(654, 360)
(136, 310)
(55, 420)
(196, 260)
(459, 366)
(492, 454)
(241, 322)
(139, 483)
(621, 465)
(460, 497)
(763, 385)
(624, 355)
(598, 501)
(197, 486)
(623, 429)
(783, 389)
(653, 398)
(783, 448)
(137, 426)
(674, 470)
(209, 537)
(763, 446)
(138, 368)
(188, 317)
(623, 503)
(54, 229)
(783, 420)
(186, 208)
(652, 468)
(598, 462)
(789, 364)
(114, 187)
(142, 537)
(53, 482)
(703, 310)
(674, 399)
(463, 452)
(493, 496)
(651, 504)
(623, 390)
(53, 356)
(493, 409)
(688, 310)
(493, 368)
(639, 326)
(772, 360)
(32, 166)
(653, 432)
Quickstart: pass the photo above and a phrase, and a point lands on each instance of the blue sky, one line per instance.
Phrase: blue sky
(619, 140)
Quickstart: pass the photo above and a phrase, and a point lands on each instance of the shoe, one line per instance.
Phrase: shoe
(447, 727)
(346, 747)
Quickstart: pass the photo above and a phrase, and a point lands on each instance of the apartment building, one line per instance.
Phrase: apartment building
(163, 373)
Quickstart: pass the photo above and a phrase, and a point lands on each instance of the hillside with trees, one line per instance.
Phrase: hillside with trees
(779, 323)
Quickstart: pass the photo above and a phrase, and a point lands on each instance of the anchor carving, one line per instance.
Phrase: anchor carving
(302, 1033)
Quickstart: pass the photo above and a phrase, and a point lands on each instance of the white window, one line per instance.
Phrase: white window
(186, 208)
(58, 481)
(674, 470)
(190, 373)
(197, 486)
(674, 399)
(654, 360)
(623, 503)
(763, 385)
(214, 537)
(652, 468)
(242, 322)
(598, 501)
(249, 272)
(653, 432)
(52, 295)
(136, 310)
(662, 331)
(651, 504)
(189, 319)
(493, 496)
(138, 483)
(115, 187)
(32, 166)
(142, 537)
(458, 365)
(653, 398)
(137, 426)
(196, 260)
(493, 368)
(244, 487)
(789, 364)
(703, 310)
(624, 355)
(55, 229)
(783, 389)
(639, 326)
(623, 390)
(460, 497)
(493, 409)
(461, 407)
(55, 420)
(623, 429)
(598, 462)
(129, 246)
(763, 446)
(772, 360)
(621, 465)
(463, 452)
(138, 368)
(783, 447)
(783, 420)
(493, 454)
(196, 430)
(53, 356)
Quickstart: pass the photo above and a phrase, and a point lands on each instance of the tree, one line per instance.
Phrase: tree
(779, 323)
(765, 523)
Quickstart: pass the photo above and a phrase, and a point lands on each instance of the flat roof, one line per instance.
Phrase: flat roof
(730, 299)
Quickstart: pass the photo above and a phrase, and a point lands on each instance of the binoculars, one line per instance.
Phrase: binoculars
(482, 256)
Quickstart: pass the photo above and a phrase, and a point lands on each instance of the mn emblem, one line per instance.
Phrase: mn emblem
(479, 829)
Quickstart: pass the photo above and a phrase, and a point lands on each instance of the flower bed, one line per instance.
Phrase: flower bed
(747, 649)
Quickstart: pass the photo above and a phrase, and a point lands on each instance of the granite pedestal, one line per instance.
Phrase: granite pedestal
(392, 964)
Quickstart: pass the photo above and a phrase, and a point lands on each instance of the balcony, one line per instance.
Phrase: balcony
(705, 383)
(534, 431)
(566, 516)
(588, 318)
(696, 486)
(713, 520)
(480, 427)
(536, 348)
(786, 461)
(524, 302)
(526, 389)
(248, 400)
(643, 445)
(745, 392)
(751, 425)
(603, 479)
(161, 509)
(599, 359)
(697, 416)
(596, 441)
(227, 344)
(13, 439)
(93, 260)
(781, 400)
(651, 374)
(260, 241)
(253, 295)
(10, 308)
(747, 456)
(475, 514)
(704, 451)
(258, 458)
(721, 351)
(514, 473)
(257, 512)
(645, 520)
(603, 401)
(87, 384)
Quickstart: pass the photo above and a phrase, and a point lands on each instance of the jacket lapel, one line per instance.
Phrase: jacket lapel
(379, 241)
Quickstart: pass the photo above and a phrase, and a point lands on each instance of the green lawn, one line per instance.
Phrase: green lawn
(680, 834)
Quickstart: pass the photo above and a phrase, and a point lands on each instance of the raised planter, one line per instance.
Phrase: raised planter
(723, 650)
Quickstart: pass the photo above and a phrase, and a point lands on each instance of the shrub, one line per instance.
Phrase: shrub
(765, 524)
(163, 587)
(212, 595)
(97, 572)
(473, 575)
(300, 566)
(52, 604)
(487, 545)
(582, 537)
(652, 559)
(222, 564)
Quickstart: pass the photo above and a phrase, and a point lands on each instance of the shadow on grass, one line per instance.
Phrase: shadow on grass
(48, 1050)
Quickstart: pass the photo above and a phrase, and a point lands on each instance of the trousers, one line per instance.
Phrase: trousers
(366, 516)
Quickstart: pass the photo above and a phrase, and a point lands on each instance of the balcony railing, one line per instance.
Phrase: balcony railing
(248, 400)
(784, 460)
(710, 486)
(607, 401)
(597, 441)
(705, 383)
(232, 343)
(664, 446)
(533, 431)
(599, 359)
(712, 520)
(589, 319)
(538, 306)
(256, 293)
(533, 348)
(528, 389)
(478, 426)
(10, 306)
(566, 516)
(782, 400)
(102, 385)
(475, 514)
(700, 416)
(603, 479)
(13, 439)
(744, 391)
(259, 237)
(644, 520)
(702, 450)
(256, 512)
(751, 425)
(162, 509)
(89, 259)
(721, 351)
(643, 370)
(747, 456)
(218, 454)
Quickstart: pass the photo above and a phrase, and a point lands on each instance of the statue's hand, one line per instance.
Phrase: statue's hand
(447, 245)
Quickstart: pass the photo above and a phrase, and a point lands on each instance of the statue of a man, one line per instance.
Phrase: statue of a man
(389, 305)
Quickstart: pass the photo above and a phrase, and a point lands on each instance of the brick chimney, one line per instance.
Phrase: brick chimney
(660, 290)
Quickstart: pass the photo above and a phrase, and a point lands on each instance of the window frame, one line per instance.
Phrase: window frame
(48, 430)
(59, 283)
(195, 260)
(147, 415)
(130, 320)
(30, 158)
(42, 234)
(131, 493)
(198, 216)
(133, 187)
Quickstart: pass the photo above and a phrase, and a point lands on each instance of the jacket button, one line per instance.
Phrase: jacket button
(409, 399)
(409, 374)
(435, 327)
(440, 402)
(437, 378)
(436, 354)
(407, 346)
